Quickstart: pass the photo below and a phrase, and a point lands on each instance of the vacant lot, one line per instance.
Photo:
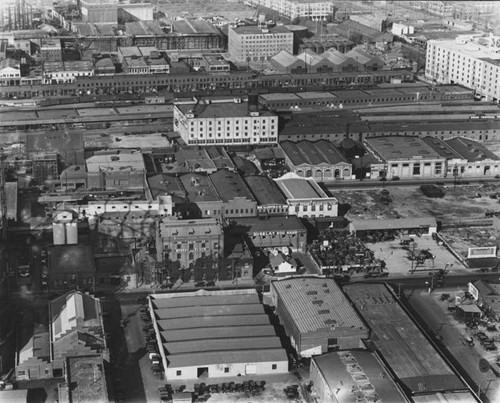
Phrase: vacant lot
(463, 238)
(460, 202)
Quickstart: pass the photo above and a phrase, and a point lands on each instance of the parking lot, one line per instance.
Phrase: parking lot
(398, 262)
(452, 331)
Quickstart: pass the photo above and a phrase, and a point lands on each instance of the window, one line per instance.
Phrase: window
(178, 373)
(274, 366)
(191, 256)
(179, 256)
(226, 370)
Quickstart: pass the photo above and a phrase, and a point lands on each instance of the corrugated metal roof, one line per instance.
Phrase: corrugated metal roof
(227, 357)
(206, 300)
(213, 321)
(409, 354)
(316, 303)
(205, 311)
(218, 333)
(238, 344)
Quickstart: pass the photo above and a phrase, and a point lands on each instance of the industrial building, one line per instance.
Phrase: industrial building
(202, 199)
(51, 50)
(404, 157)
(187, 240)
(396, 337)
(468, 61)
(71, 267)
(237, 200)
(271, 232)
(415, 225)
(116, 170)
(68, 146)
(305, 197)
(340, 377)
(226, 123)
(95, 11)
(75, 330)
(215, 334)
(321, 160)
(270, 200)
(317, 316)
(258, 43)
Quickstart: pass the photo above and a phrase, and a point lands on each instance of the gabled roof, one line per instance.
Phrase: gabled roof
(284, 58)
(74, 310)
(470, 150)
(360, 56)
(310, 57)
(313, 153)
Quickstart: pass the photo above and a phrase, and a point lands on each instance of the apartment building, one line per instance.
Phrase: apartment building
(258, 43)
(471, 62)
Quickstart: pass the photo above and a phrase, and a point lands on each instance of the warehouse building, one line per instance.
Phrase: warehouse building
(395, 337)
(321, 160)
(272, 232)
(317, 316)
(237, 199)
(305, 197)
(341, 377)
(405, 158)
(269, 198)
(215, 334)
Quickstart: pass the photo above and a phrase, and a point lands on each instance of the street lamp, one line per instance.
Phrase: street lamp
(430, 284)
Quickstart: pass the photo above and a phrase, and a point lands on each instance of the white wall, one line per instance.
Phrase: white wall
(217, 370)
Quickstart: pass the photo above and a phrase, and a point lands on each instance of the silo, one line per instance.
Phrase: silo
(59, 233)
(72, 233)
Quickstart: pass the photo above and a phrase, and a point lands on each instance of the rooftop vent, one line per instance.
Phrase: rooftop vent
(312, 292)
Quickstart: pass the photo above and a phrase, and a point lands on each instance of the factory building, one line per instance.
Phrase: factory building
(321, 160)
(95, 11)
(317, 316)
(405, 158)
(215, 334)
(270, 200)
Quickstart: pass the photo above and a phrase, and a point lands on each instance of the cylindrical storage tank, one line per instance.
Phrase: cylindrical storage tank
(59, 233)
(72, 233)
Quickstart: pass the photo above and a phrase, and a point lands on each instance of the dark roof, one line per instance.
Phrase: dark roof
(87, 379)
(255, 30)
(313, 153)
(164, 184)
(470, 150)
(439, 146)
(218, 333)
(71, 258)
(245, 166)
(406, 350)
(271, 223)
(265, 190)
(230, 185)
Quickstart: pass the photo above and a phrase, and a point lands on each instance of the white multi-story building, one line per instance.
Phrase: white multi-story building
(471, 62)
(313, 9)
(257, 43)
(224, 123)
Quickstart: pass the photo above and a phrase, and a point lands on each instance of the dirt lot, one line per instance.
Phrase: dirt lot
(409, 201)
(463, 238)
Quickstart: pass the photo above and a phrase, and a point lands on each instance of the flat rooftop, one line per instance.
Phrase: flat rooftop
(359, 371)
(315, 303)
(400, 147)
(198, 187)
(405, 349)
(194, 26)
(228, 109)
(294, 188)
(265, 190)
(469, 49)
(117, 161)
(87, 379)
(271, 223)
(230, 185)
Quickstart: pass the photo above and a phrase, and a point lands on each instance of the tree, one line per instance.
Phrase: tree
(205, 269)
